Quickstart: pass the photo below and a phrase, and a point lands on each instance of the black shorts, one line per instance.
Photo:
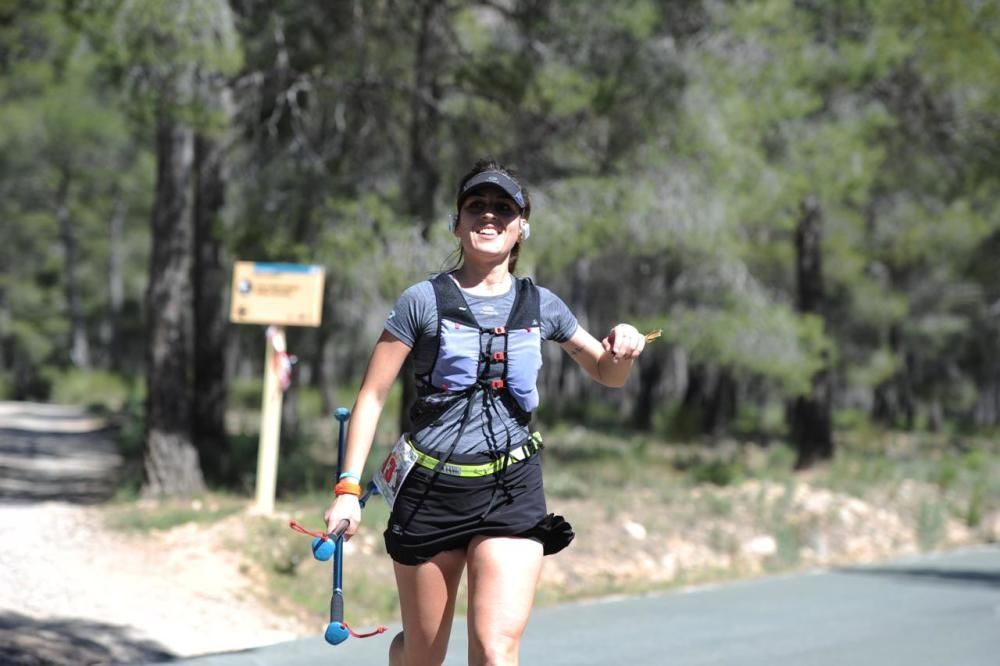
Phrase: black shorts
(434, 514)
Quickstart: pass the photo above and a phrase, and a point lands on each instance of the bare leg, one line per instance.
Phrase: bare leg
(427, 604)
(503, 574)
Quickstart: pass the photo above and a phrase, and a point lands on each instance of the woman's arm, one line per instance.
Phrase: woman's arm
(610, 360)
(387, 358)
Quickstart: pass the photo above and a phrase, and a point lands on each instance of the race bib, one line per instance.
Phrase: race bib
(397, 465)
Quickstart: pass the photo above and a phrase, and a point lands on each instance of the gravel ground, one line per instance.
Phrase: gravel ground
(72, 592)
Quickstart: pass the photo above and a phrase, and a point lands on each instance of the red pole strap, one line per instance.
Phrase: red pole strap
(294, 524)
(376, 631)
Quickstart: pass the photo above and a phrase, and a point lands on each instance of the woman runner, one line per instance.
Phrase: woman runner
(468, 478)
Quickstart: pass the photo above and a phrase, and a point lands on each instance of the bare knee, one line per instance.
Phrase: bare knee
(427, 657)
(495, 649)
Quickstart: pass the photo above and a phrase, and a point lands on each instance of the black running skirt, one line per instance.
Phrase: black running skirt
(433, 514)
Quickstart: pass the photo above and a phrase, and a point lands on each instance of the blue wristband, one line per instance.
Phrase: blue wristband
(350, 475)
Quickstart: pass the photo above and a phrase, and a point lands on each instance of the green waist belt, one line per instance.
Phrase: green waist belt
(523, 452)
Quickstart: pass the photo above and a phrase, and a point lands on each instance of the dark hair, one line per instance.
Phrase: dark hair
(490, 164)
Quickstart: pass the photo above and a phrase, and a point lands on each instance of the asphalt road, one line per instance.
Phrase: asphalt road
(939, 610)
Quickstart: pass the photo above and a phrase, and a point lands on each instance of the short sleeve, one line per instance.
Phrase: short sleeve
(558, 323)
(414, 315)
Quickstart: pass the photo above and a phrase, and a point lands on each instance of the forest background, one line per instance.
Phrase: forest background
(801, 194)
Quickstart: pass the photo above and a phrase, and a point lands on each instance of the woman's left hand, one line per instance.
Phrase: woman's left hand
(624, 341)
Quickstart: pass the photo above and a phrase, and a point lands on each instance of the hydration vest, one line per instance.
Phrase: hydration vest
(468, 355)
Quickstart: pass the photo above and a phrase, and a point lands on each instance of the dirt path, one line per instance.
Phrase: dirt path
(72, 592)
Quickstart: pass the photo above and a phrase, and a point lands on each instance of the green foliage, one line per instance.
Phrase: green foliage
(310, 404)
(669, 148)
(930, 524)
(717, 472)
(165, 56)
(97, 389)
(246, 394)
(164, 516)
(759, 421)
(977, 503)
(772, 342)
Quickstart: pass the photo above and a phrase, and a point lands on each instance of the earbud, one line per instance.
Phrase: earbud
(525, 231)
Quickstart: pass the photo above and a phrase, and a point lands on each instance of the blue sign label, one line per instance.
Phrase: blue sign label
(267, 267)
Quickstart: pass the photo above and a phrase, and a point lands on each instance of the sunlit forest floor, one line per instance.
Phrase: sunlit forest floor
(648, 515)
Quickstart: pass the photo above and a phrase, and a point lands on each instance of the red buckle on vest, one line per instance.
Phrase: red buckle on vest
(499, 356)
(496, 384)
(500, 330)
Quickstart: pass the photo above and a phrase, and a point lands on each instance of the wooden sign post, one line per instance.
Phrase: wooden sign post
(278, 295)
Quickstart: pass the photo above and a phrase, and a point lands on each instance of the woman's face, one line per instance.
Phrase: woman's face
(489, 223)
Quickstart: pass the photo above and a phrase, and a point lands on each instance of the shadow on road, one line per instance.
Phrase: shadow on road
(26, 641)
(975, 577)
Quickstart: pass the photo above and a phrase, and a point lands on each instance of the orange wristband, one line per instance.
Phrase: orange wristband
(347, 487)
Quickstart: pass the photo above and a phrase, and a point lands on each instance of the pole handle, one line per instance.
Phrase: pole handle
(337, 607)
(339, 530)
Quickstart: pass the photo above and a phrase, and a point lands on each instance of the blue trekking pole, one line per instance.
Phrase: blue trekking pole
(325, 546)
(336, 631)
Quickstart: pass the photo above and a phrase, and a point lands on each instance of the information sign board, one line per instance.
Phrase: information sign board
(277, 293)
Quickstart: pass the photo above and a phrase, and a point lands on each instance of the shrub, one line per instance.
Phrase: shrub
(95, 389)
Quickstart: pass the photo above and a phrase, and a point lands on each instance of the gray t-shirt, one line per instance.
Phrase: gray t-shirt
(414, 320)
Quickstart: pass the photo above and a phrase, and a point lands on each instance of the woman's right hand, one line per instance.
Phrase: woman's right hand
(343, 507)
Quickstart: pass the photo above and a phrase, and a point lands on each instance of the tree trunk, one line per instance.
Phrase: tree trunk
(811, 414)
(895, 404)
(720, 407)
(111, 331)
(986, 413)
(4, 323)
(812, 424)
(422, 177)
(690, 418)
(650, 375)
(709, 403)
(79, 349)
(171, 460)
(210, 325)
